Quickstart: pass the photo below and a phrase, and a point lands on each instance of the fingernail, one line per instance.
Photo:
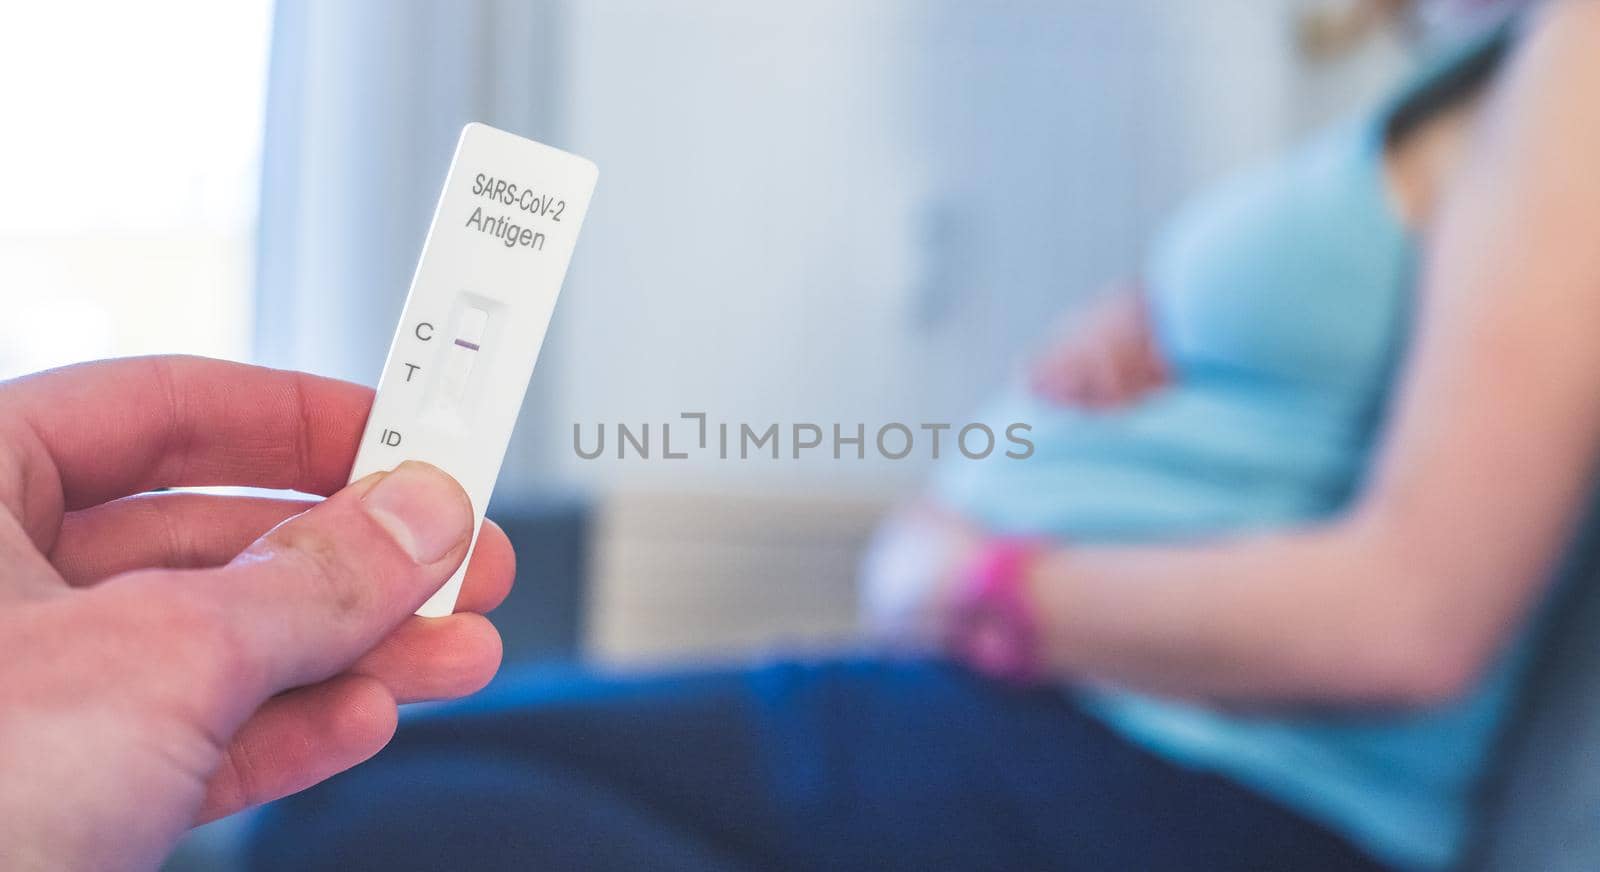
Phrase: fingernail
(422, 508)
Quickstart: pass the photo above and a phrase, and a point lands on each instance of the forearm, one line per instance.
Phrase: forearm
(1317, 614)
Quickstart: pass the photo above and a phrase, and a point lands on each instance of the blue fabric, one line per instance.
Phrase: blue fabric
(1282, 302)
(833, 765)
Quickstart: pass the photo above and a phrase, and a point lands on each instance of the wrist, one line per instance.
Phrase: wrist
(993, 626)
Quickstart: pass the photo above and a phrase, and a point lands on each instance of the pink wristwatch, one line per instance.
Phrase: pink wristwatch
(992, 629)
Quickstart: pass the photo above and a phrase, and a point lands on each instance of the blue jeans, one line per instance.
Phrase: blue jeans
(830, 765)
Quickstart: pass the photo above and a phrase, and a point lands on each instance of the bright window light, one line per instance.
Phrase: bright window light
(128, 178)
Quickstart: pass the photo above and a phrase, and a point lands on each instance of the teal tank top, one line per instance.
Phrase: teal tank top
(1282, 300)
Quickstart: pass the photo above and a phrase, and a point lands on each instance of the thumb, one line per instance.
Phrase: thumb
(326, 586)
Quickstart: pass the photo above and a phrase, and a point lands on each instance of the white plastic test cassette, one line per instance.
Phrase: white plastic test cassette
(480, 302)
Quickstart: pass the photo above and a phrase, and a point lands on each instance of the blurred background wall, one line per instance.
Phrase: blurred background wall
(831, 212)
(823, 211)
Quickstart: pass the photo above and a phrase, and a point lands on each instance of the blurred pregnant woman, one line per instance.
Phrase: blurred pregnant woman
(1260, 600)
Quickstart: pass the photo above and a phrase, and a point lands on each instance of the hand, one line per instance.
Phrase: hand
(1105, 358)
(911, 570)
(170, 658)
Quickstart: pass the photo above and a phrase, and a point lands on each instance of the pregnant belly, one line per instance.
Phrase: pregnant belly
(1188, 461)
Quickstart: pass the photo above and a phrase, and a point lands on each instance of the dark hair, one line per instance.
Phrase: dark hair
(1458, 80)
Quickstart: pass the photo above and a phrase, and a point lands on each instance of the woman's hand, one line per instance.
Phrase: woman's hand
(911, 570)
(167, 658)
(1104, 358)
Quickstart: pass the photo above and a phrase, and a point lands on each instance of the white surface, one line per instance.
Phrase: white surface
(451, 406)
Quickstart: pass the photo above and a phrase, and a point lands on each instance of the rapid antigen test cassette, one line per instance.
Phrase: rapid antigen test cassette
(480, 303)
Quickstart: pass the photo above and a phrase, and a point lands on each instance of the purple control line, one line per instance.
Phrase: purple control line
(465, 344)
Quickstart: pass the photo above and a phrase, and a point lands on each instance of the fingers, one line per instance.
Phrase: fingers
(323, 588)
(1097, 374)
(114, 428)
(306, 735)
(27, 572)
(1058, 374)
(1070, 378)
(435, 658)
(490, 574)
(172, 530)
(185, 530)
(1108, 355)
(298, 739)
